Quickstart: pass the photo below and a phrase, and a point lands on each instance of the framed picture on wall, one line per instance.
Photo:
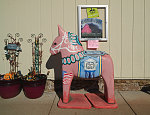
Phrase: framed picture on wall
(93, 22)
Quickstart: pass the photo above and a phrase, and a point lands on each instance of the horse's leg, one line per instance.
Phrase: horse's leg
(67, 79)
(108, 77)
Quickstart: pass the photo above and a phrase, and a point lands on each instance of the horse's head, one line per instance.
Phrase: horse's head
(57, 43)
(66, 42)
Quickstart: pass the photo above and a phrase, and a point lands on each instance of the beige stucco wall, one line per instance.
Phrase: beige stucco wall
(129, 31)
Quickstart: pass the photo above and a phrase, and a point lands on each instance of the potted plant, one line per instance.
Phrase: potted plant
(34, 82)
(10, 85)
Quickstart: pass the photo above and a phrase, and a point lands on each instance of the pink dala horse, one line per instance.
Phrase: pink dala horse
(72, 53)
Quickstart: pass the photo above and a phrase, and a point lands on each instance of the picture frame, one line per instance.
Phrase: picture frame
(93, 28)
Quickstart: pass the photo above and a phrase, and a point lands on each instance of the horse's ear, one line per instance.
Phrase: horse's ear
(60, 30)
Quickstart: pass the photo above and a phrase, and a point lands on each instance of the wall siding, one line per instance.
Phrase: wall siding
(138, 39)
(104, 46)
(115, 35)
(127, 27)
(147, 39)
(128, 41)
(69, 15)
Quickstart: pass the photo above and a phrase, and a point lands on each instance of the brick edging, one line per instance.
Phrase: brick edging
(120, 84)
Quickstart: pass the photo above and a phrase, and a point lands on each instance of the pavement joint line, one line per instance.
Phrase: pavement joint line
(127, 103)
(52, 105)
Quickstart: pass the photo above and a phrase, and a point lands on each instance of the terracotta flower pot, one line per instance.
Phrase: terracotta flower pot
(10, 88)
(34, 89)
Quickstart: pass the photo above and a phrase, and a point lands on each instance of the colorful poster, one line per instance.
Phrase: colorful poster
(91, 28)
(92, 12)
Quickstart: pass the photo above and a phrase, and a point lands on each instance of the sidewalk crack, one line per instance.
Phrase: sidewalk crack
(127, 103)
(52, 105)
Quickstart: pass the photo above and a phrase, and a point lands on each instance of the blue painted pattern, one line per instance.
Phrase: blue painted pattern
(90, 67)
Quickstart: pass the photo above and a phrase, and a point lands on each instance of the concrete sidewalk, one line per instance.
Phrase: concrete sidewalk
(129, 103)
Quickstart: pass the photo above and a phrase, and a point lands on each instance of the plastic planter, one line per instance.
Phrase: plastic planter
(34, 89)
(10, 88)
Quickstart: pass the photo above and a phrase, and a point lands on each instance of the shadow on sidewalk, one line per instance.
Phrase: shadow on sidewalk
(146, 88)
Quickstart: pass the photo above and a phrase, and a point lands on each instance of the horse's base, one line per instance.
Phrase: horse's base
(79, 101)
(98, 101)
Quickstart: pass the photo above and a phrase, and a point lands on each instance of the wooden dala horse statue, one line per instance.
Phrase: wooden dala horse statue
(77, 63)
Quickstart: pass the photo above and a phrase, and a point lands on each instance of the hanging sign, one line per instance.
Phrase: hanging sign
(93, 43)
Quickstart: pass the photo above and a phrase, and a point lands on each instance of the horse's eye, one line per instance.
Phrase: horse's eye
(55, 43)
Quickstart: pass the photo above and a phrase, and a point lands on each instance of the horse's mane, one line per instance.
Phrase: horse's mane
(74, 39)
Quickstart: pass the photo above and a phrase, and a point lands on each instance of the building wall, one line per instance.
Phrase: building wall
(128, 41)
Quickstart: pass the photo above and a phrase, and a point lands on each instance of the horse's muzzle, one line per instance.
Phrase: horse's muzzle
(53, 51)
